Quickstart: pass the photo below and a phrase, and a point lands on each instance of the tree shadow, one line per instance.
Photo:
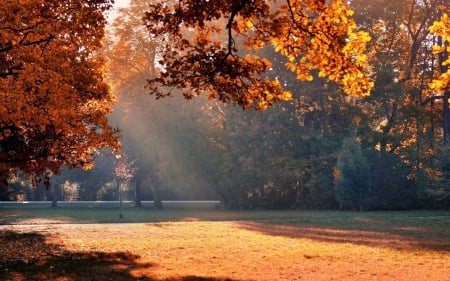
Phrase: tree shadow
(398, 239)
(28, 256)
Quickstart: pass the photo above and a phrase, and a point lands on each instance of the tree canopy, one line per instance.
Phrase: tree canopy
(207, 47)
(53, 95)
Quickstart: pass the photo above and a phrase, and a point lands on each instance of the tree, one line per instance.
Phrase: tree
(124, 171)
(441, 85)
(404, 66)
(167, 143)
(390, 187)
(203, 42)
(352, 186)
(54, 97)
(131, 60)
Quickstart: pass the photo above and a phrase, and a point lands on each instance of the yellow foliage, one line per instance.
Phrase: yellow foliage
(287, 96)
(442, 28)
(248, 24)
(338, 57)
(437, 49)
(314, 36)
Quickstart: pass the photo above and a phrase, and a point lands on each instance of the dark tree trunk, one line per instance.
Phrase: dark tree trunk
(51, 196)
(54, 201)
(137, 192)
(446, 110)
(155, 186)
(157, 198)
(443, 69)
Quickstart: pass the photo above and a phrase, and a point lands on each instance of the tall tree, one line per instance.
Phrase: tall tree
(131, 60)
(403, 65)
(441, 85)
(163, 140)
(53, 93)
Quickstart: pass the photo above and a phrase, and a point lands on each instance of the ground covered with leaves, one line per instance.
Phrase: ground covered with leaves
(193, 249)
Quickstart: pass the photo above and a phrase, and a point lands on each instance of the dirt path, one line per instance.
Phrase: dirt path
(210, 251)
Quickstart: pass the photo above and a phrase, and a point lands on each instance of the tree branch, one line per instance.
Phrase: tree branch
(9, 47)
(431, 98)
(233, 14)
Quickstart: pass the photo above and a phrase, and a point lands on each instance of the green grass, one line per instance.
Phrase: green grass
(336, 219)
(436, 223)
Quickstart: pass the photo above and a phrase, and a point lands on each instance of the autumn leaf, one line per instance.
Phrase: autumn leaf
(312, 35)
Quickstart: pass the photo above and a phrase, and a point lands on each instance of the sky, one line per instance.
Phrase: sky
(117, 4)
(121, 3)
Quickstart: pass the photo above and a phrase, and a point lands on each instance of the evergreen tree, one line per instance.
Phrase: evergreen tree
(353, 185)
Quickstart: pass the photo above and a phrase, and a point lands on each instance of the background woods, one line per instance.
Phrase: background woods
(315, 146)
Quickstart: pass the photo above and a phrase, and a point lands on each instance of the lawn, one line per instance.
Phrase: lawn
(95, 244)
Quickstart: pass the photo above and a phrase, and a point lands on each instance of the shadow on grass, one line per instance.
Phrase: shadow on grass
(27, 256)
(407, 239)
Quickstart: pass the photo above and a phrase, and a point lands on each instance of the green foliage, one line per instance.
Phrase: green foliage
(434, 190)
(391, 189)
(353, 184)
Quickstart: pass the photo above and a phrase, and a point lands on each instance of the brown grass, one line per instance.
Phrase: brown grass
(201, 250)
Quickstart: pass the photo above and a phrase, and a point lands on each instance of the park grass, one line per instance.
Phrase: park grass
(95, 244)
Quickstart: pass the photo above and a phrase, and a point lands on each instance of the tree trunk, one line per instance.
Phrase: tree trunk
(154, 184)
(442, 57)
(51, 196)
(119, 187)
(137, 192)
(54, 202)
(446, 110)
(157, 198)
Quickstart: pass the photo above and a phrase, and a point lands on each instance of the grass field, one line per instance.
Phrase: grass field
(95, 244)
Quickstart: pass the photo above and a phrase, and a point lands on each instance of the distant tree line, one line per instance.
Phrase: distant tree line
(323, 149)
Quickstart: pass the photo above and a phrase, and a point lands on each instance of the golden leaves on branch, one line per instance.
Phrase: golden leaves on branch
(442, 28)
(327, 42)
(315, 37)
